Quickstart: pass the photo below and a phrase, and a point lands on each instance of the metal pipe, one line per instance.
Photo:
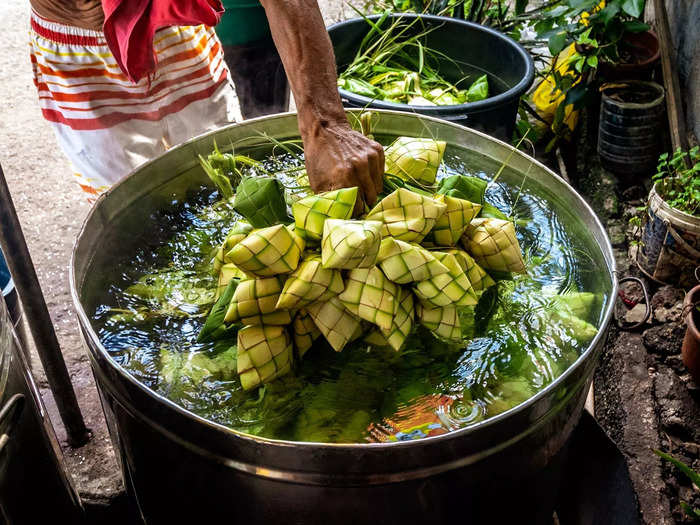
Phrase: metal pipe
(21, 267)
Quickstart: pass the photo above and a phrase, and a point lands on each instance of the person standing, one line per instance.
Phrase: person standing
(123, 80)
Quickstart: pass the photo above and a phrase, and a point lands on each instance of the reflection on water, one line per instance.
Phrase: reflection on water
(521, 336)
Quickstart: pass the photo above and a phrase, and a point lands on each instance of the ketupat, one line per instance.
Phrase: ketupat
(442, 321)
(414, 159)
(337, 324)
(350, 244)
(261, 201)
(227, 273)
(310, 213)
(309, 283)
(452, 288)
(494, 246)
(304, 332)
(264, 353)
(239, 232)
(371, 296)
(479, 279)
(401, 324)
(404, 263)
(268, 251)
(406, 215)
(453, 223)
(254, 302)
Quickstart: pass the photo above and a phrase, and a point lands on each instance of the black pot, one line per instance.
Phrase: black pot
(630, 129)
(473, 47)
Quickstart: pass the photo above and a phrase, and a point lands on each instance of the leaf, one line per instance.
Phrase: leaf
(592, 61)
(635, 26)
(633, 8)
(214, 325)
(485, 308)
(607, 14)
(693, 476)
(520, 6)
(690, 511)
(576, 95)
(479, 90)
(557, 42)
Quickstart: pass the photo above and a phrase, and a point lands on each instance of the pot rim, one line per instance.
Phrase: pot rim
(655, 196)
(605, 247)
(687, 303)
(475, 107)
(634, 105)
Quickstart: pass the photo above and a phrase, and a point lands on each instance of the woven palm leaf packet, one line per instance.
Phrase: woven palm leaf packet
(323, 274)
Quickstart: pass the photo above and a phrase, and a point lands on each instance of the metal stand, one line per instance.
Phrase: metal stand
(22, 269)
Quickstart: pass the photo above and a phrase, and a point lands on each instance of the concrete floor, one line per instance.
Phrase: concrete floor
(51, 209)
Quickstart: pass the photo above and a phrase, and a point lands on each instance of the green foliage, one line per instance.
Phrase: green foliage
(393, 63)
(598, 35)
(678, 180)
(693, 476)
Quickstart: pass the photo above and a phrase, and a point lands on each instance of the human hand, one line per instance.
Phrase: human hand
(339, 157)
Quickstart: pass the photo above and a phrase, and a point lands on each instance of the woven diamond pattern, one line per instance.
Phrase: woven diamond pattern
(335, 322)
(406, 215)
(304, 332)
(309, 283)
(371, 296)
(452, 224)
(478, 278)
(264, 354)
(414, 159)
(268, 251)
(310, 213)
(255, 302)
(447, 288)
(404, 263)
(239, 232)
(350, 244)
(494, 246)
(443, 321)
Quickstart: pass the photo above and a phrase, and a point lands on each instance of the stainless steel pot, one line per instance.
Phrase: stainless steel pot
(181, 467)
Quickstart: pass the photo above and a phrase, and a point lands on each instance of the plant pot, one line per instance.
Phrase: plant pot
(631, 119)
(691, 343)
(642, 53)
(670, 250)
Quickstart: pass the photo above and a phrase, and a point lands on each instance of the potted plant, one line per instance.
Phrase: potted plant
(670, 240)
(588, 40)
(691, 342)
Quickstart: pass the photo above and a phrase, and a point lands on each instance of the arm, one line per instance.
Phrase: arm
(336, 156)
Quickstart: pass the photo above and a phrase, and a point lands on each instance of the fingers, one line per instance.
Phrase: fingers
(376, 166)
(362, 174)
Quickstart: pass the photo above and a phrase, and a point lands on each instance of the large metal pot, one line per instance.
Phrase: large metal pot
(182, 468)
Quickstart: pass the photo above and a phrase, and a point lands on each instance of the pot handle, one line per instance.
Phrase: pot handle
(647, 303)
(680, 240)
(12, 412)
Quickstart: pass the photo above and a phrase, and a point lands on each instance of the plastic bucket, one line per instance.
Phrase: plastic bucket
(629, 140)
(243, 22)
(474, 48)
(670, 250)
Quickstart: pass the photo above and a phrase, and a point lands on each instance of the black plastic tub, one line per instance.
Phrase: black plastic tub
(473, 50)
